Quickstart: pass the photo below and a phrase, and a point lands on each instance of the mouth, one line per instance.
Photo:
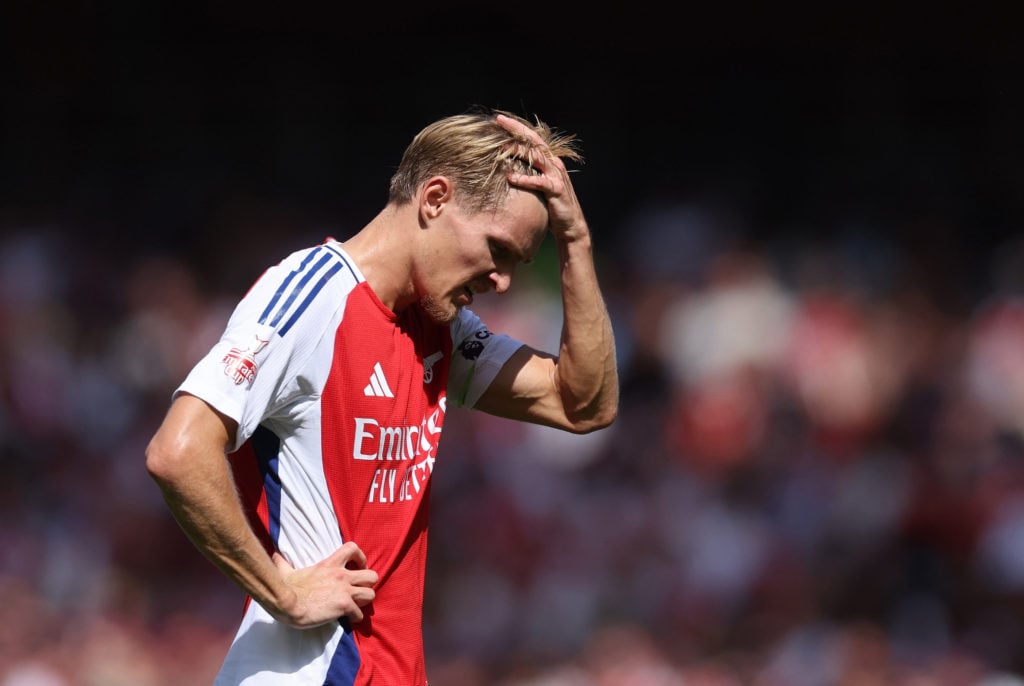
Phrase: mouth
(466, 296)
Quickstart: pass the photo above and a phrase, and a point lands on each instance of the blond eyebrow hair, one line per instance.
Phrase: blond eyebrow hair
(476, 154)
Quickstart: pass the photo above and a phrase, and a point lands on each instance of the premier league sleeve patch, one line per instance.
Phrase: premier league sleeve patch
(478, 356)
(471, 348)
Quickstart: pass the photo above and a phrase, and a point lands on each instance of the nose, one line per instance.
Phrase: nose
(501, 281)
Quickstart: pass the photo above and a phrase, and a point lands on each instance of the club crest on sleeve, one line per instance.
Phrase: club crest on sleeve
(240, 363)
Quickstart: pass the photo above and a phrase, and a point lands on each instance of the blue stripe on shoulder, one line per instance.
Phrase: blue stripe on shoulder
(284, 285)
(276, 309)
(309, 298)
(298, 288)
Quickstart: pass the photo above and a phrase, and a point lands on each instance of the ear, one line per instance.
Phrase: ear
(435, 194)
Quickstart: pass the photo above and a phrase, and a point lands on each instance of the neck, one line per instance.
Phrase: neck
(384, 250)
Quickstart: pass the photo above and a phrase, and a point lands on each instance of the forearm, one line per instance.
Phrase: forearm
(579, 391)
(207, 509)
(586, 374)
(186, 458)
(202, 499)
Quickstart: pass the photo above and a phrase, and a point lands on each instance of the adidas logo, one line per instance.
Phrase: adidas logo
(378, 386)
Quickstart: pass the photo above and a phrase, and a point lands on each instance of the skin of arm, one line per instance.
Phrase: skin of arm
(187, 459)
(577, 390)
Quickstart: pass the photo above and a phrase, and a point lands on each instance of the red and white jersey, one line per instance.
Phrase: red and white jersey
(339, 403)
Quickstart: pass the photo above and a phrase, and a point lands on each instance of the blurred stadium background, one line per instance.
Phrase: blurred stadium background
(808, 223)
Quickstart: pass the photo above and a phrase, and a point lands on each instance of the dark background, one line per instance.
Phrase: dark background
(155, 117)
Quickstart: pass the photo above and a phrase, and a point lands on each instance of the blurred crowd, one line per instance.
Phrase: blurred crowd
(816, 477)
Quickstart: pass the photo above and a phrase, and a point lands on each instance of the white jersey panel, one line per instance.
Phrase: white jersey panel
(269, 369)
(268, 653)
(260, 365)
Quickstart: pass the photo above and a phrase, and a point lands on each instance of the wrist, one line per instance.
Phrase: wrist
(573, 242)
(578, 234)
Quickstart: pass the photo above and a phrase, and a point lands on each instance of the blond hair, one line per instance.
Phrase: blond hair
(476, 154)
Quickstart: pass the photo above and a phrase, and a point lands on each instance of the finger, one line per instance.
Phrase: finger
(363, 577)
(519, 128)
(363, 596)
(356, 558)
(532, 140)
(354, 614)
(549, 181)
(349, 556)
(281, 562)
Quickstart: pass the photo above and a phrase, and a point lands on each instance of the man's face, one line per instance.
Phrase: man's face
(473, 254)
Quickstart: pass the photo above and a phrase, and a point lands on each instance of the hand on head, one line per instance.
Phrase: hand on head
(566, 218)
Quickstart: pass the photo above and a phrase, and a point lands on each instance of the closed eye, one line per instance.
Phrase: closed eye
(501, 253)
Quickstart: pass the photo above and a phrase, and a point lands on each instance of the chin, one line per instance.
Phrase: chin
(441, 311)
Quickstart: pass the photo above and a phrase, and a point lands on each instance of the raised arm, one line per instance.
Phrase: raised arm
(578, 390)
(187, 459)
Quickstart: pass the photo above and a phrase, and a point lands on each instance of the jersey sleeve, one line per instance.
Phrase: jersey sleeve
(477, 357)
(257, 366)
